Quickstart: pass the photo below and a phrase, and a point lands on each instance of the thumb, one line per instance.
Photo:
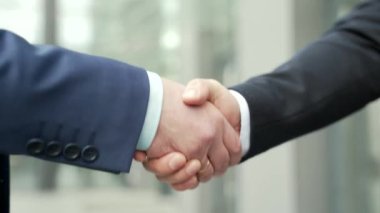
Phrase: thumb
(140, 156)
(198, 91)
(167, 164)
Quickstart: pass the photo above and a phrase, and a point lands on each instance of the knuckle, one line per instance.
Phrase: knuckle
(221, 173)
(192, 184)
(184, 186)
(236, 150)
(221, 167)
(208, 135)
(195, 185)
(205, 138)
(177, 187)
(180, 178)
(204, 178)
(195, 150)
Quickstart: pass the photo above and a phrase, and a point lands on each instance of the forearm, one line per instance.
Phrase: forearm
(326, 81)
(61, 96)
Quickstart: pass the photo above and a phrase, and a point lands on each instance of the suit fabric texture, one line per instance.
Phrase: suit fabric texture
(329, 79)
(67, 107)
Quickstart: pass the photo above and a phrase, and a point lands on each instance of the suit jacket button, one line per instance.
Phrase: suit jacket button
(71, 151)
(53, 149)
(35, 146)
(90, 154)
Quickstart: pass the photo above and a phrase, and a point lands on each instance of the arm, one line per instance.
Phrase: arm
(329, 79)
(55, 103)
(89, 111)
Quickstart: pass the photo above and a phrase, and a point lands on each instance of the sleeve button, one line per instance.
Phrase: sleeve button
(90, 154)
(35, 146)
(71, 151)
(53, 149)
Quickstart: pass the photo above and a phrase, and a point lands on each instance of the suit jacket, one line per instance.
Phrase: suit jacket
(329, 79)
(67, 107)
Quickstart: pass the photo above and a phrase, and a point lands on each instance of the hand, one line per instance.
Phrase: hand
(200, 133)
(173, 169)
(196, 93)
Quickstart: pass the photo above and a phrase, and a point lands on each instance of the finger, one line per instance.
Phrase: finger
(184, 174)
(140, 156)
(232, 143)
(196, 92)
(166, 165)
(192, 183)
(206, 173)
(219, 157)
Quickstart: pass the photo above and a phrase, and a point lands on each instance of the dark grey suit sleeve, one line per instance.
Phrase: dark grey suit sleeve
(329, 79)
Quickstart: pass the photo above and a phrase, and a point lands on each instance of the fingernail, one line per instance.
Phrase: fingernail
(190, 93)
(175, 162)
(193, 168)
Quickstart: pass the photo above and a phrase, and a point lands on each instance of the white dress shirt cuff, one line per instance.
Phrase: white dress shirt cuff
(245, 122)
(153, 113)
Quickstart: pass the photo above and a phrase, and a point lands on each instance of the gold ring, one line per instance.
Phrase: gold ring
(205, 167)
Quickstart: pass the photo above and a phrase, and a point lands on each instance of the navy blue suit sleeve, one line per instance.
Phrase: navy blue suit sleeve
(67, 107)
(329, 79)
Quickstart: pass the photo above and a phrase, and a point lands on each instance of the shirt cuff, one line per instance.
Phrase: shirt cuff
(245, 122)
(153, 112)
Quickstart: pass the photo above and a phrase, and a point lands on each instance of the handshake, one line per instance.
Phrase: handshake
(198, 134)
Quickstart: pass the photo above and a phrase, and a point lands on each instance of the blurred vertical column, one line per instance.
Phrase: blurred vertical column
(189, 28)
(311, 18)
(328, 171)
(333, 165)
(48, 171)
(265, 35)
(50, 21)
(374, 149)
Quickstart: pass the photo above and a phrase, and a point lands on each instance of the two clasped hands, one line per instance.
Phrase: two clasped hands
(198, 134)
(204, 128)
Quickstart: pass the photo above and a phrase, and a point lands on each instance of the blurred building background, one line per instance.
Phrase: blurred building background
(336, 170)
